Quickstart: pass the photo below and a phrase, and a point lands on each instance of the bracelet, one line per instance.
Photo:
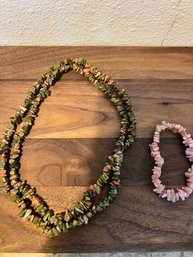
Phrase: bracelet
(32, 207)
(172, 195)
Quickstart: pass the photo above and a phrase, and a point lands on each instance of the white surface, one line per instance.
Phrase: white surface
(97, 22)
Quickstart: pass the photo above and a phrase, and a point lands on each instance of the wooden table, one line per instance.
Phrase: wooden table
(75, 132)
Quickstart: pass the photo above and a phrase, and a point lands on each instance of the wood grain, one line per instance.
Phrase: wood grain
(76, 109)
(78, 162)
(117, 61)
(75, 132)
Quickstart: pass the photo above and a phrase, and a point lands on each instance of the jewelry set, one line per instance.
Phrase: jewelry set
(32, 206)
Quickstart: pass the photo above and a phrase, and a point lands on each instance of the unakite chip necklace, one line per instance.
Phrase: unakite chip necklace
(32, 207)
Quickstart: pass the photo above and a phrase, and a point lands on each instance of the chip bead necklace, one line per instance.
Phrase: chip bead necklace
(32, 206)
(171, 194)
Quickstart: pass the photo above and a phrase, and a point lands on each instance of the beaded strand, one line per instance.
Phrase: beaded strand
(32, 207)
(171, 194)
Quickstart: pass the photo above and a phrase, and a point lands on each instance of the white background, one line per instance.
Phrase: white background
(84, 22)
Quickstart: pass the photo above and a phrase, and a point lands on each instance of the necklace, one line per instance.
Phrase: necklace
(32, 207)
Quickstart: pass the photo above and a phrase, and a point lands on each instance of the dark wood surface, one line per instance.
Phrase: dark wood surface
(75, 132)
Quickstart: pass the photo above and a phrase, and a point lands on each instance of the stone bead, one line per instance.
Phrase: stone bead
(169, 196)
(181, 194)
(27, 213)
(173, 197)
(67, 216)
(163, 193)
(177, 196)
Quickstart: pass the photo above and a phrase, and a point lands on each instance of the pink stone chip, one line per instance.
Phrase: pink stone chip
(163, 194)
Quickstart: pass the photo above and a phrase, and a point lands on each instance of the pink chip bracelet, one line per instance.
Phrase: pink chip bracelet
(177, 194)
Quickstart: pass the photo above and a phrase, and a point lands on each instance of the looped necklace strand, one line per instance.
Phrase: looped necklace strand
(171, 194)
(32, 207)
